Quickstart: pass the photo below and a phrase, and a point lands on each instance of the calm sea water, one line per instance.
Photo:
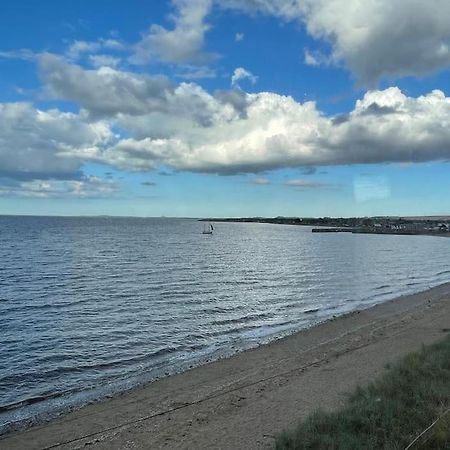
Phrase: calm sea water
(92, 306)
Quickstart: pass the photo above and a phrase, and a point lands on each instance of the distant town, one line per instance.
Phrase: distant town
(431, 225)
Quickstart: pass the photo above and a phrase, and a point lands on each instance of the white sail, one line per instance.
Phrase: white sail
(207, 230)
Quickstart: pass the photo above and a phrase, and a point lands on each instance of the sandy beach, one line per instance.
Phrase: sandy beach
(242, 401)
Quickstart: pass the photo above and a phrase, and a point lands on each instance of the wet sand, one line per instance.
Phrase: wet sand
(242, 401)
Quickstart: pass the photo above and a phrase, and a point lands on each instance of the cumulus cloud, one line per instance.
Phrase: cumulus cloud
(382, 38)
(78, 49)
(152, 101)
(42, 153)
(375, 39)
(236, 98)
(183, 127)
(146, 154)
(105, 91)
(388, 126)
(182, 44)
(316, 58)
(104, 60)
(279, 132)
(242, 74)
(86, 187)
(46, 144)
(139, 122)
(186, 128)
(227, 145)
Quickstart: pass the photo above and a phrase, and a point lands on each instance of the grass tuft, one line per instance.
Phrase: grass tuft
(389, 413)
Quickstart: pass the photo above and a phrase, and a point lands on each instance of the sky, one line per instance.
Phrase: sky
(196, 108)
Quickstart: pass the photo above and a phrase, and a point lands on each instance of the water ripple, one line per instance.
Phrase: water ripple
(92, 306)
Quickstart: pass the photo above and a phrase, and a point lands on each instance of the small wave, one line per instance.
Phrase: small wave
(243, 319)
(47, 306)
(383, 286)
(333, 307)
(30, 401)
(311, 311)
(231, 331)
(444, 272)
(386, 293)
(290, 305)
(222, 310)
(55, 373)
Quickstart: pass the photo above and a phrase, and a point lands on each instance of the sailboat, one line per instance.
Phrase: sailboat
(208, 230)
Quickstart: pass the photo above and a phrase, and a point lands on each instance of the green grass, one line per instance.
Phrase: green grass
(389, 413)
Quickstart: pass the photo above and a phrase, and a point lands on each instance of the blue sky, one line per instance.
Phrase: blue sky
(225, 108)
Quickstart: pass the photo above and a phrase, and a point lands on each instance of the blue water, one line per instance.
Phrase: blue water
(92, 306)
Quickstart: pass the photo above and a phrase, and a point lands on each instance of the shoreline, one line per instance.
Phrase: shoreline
(207, 406)
(328, 225)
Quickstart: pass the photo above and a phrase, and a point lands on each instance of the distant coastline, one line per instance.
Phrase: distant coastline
(431, 226)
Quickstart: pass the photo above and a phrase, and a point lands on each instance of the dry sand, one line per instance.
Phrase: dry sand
(241, 402)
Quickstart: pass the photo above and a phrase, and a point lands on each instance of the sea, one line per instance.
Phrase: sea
(93, 306)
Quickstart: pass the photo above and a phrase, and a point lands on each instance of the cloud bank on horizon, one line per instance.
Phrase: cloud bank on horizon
(128, 116)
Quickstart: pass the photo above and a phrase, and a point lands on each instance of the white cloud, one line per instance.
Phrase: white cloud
(238, 37)
(146, 154)
(181, 45)
(277, 131)
(183, 127)
(46, 144)
(241, 74)
(388, 126)
(227, 144)
(186, 128)
(78, 49)
(311, 59)
(86, 187)
(104, 61)
(107, 92)
(375, 39)
(305, 184)
(383, 38)
(22, 53)
(316, 58)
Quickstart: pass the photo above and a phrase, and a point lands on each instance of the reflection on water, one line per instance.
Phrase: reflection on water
(92, 306)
